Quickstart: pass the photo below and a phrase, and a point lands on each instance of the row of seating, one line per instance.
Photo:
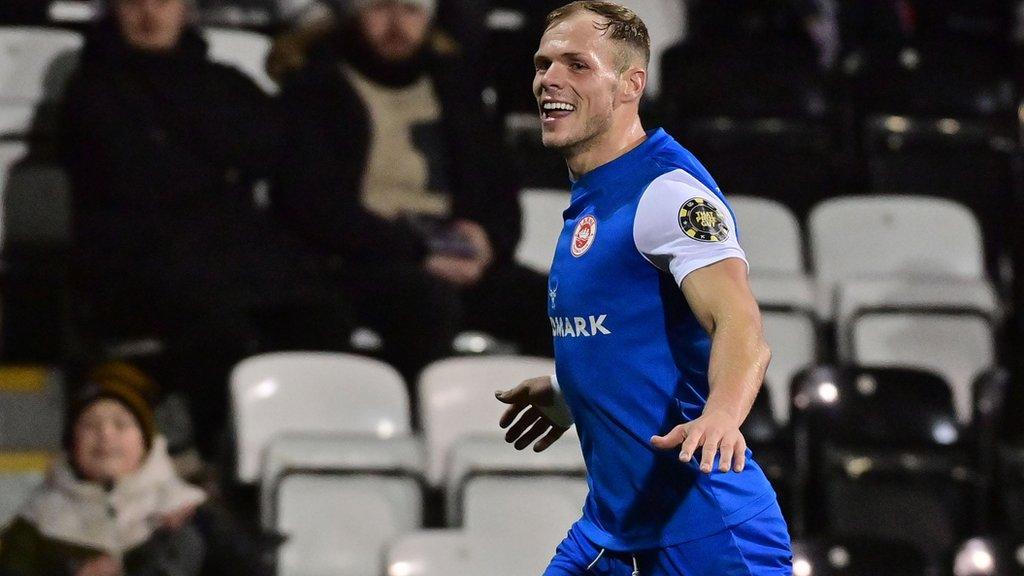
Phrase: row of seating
(872, 452)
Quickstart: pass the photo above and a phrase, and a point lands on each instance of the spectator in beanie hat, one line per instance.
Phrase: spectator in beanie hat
(112, 505)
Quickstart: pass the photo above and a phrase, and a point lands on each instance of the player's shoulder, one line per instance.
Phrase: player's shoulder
(678, 184)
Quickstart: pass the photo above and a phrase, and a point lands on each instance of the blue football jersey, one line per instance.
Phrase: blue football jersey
(631, 358)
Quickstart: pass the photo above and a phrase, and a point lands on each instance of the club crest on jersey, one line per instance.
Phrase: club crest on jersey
(701, 221)
(583, 236)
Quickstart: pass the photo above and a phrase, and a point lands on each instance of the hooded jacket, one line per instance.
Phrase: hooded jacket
(69, 521)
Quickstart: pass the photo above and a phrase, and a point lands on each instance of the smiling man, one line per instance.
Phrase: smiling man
(659, 350)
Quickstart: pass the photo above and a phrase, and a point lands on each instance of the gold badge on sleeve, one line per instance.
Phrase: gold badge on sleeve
(702, 221)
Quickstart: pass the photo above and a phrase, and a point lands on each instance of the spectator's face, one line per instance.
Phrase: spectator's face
(395, 30)
(576, 81)
(108, 443)
(152, 25)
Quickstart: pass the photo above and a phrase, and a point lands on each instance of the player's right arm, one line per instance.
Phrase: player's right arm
(541, 410)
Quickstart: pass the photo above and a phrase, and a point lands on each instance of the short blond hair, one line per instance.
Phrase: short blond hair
(625, 26)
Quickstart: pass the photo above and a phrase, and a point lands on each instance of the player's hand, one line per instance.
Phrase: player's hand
(101, 566)
(458, 271)
(713, 433)
(477, 237)
(526, 401)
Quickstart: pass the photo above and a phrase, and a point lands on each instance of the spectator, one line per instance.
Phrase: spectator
(395, 169)
(163, 148)
(112, 504)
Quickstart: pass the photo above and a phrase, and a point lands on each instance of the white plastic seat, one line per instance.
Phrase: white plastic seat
(793, 341)
(489, 455)
(312, 392)
(32, 407)
(244, 50)
(16, 119)
(857, 296)
(35, 63)
(305, 453)
(893, 236)
(438, 553)
(666, 23)
(958, 347)
(20, 474)
(531, 514)
(457, 399)
(770, 235)
(542, 224)
(458, 552)
(340, 524)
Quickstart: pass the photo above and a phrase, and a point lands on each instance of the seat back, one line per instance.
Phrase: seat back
(244, 50)
(858, 236)
(959, 347)
(35, 63)
(336, 524)
(457, 399)
(312, 392)
(793, 342)
(770, 235)
(542, 224)
(20, 474)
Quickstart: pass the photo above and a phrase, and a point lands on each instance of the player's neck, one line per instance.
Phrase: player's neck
(609, 146)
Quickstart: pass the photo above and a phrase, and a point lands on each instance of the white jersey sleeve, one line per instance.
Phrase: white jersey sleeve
(681, 225)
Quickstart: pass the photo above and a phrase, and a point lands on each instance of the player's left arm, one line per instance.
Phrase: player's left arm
(720, 297)
(686, 230)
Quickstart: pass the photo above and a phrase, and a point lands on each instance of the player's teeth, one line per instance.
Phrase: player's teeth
(559, 106)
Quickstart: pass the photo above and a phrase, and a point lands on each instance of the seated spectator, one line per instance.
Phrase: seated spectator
(112, 504)
(395, 169)
(163, 148)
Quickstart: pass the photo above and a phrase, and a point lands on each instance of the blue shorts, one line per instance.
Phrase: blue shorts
(757, 547)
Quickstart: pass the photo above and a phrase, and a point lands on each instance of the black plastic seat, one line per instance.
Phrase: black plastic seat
(885, 457)
(857, 557)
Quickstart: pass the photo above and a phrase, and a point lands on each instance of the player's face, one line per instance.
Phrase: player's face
(395, 30)
(576, 81)
(153, 25)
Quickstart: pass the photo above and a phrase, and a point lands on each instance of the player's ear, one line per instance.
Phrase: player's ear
(634, 80)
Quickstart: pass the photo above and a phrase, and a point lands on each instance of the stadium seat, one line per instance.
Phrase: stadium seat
(439, 553)
(1009, 487)
(856, 297)
(449, 552)
(494, 506)
(885, 457)
(912, 237)
(35, 63)
(312, 392)
(338, 454)
(339, 525)
(32, 406)
(666, 24)
(456, 398)
(244, 50)
(931, 79)
(971, 162)
(990, 556)
(772, 447)
(489, 455)
(958, 347)
(542, 224)
(771, 237)
(20, 474)
(793, 340)
(783, 159)
(10, 154)
(856, 557)
(16, 120)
